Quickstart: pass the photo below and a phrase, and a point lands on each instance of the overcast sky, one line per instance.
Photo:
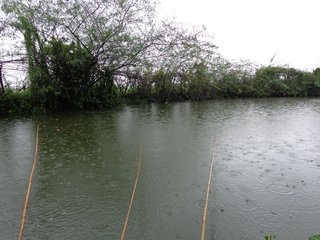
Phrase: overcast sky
(256, 29)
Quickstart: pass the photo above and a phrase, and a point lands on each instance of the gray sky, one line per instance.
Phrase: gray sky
(256, 29)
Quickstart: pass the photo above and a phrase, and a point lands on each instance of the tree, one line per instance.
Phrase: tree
(114, 33)
(1, 81)
(120, 38)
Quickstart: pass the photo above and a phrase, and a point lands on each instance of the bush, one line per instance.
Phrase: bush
(15, 102)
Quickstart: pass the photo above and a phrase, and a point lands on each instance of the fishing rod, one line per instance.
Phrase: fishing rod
(132, 197)
(26, 203)
(204, 215)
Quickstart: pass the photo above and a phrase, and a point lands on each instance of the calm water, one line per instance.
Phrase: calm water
(266, 176)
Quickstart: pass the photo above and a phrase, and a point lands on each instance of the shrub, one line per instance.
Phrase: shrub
(15, 102)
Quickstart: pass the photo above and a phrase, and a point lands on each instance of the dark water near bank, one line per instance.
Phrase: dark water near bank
(266, 176)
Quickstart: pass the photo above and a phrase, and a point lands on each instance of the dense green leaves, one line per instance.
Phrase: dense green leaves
(12, 102)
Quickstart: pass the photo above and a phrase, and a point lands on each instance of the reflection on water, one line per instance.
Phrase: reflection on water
(266, 174)
(16, 147)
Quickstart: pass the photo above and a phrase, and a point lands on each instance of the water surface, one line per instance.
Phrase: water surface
(266, 176)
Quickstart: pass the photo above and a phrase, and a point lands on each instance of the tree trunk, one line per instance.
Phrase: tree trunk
(1, 80)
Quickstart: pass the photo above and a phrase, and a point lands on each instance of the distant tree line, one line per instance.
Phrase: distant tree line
(85, 54)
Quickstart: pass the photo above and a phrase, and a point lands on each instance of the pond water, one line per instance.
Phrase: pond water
(266, 176)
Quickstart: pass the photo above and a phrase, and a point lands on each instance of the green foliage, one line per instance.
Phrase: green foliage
(12, 102)
(281, 82)
(316, 74)
(95, 52)
(269, 237)
(102, 95)
(163, 85)
(200, 84)
(70, 69)
(230, 86)
(315, 237)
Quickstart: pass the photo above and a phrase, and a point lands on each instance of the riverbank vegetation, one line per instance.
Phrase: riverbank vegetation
(84, 54)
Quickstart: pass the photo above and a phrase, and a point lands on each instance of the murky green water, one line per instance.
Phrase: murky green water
(266, 175)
